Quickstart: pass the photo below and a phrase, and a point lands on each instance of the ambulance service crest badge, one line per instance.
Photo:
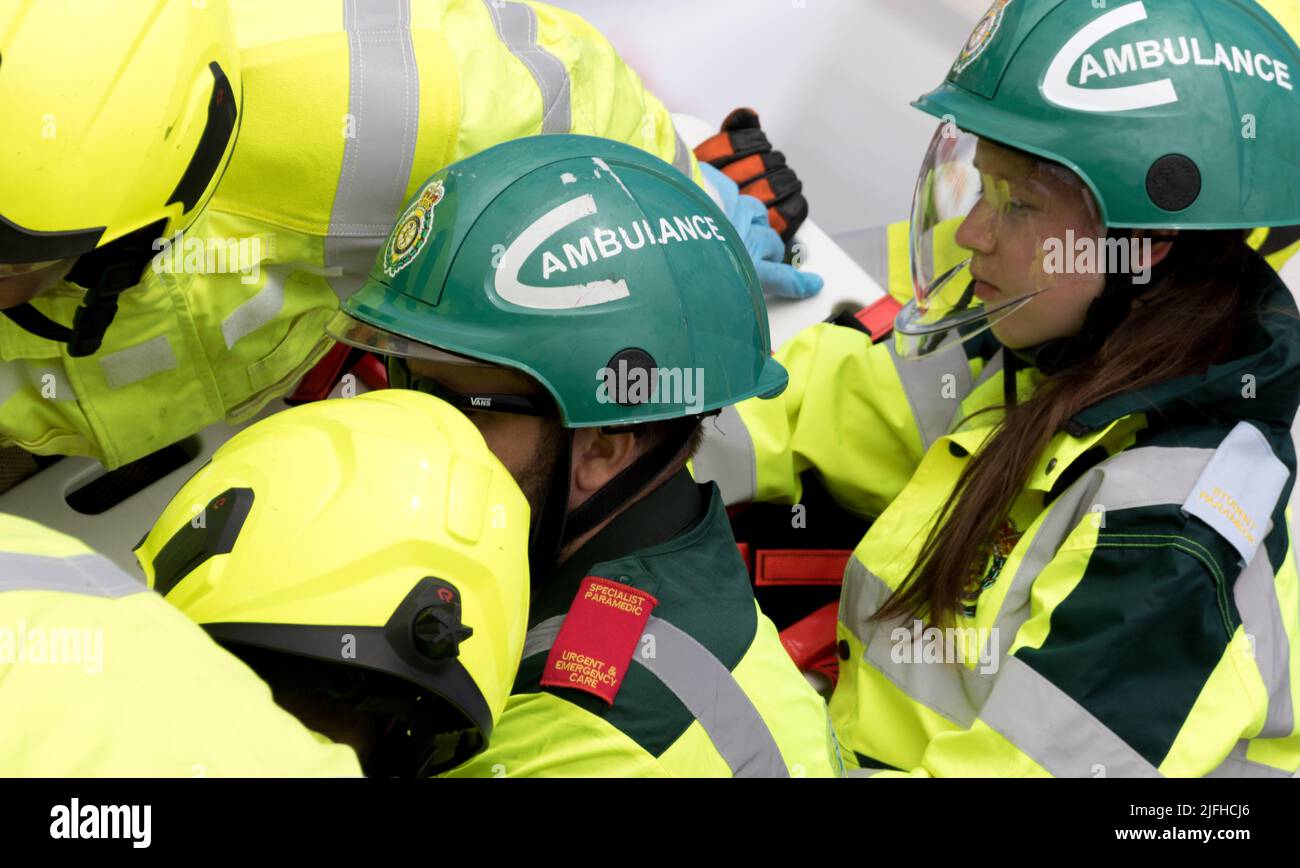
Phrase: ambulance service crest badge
(981, 36)
(413, 229)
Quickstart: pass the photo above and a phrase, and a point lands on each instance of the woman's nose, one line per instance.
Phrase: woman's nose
(977, 230)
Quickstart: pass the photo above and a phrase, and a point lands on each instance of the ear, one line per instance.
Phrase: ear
(1159, 249)
(598, 458)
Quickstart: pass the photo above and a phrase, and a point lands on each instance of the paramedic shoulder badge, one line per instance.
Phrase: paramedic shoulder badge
(413, 229)
(596, 640)
(1238, 490)
(981, 36)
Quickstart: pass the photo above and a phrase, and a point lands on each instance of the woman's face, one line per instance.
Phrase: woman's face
(1024, 205)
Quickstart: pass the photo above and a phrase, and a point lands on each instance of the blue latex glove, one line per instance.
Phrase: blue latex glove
(749, 217)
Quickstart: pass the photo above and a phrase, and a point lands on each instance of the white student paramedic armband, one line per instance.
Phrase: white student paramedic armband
(1237, 491)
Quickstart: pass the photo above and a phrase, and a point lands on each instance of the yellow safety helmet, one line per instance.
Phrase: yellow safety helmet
(119, 119)
(375, 534)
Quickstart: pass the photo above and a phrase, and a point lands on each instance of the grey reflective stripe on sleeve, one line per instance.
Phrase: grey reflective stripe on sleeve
(1247, 479)
(1235, 765)
(516, 24)
(12, 379)
(954, 692)
(139, 362)
(542, 637)
(1261, 619)
(1147, 476)
(260, 309)
(726, 456)
(1055, 731)
(88, 574)
(682, 156)
(384, 106)
(1022, 705)
(934, 398)
(707, 689)
(47, 377)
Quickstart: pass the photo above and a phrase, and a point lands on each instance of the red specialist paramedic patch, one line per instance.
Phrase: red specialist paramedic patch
(596, 641)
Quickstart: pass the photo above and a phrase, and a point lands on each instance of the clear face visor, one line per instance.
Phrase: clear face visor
(986, 221)
(346, 329)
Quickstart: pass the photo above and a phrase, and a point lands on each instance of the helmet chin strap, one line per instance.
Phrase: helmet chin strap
(556, 526)
(108, 272)
(546, 536)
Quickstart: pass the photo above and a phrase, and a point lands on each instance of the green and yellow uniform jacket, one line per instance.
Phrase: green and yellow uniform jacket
(1140, 611)
(710, 691)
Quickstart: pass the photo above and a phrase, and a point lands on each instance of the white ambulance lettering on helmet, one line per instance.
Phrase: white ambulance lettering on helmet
(1141, 55)
(607, 241)
(509, 286)
(1057, 87)
(667, 231)
(601, 244)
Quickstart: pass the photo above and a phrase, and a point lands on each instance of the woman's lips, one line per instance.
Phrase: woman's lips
(986, 291)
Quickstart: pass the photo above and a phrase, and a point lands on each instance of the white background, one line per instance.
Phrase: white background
(831, 80)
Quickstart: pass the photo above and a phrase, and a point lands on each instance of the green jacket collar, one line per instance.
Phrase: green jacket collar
(1261, 381)
(663, 514)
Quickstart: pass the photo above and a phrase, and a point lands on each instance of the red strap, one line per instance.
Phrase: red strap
(372, 371)
(829, 665)
(800, 566)
(878, 317)
(745, 556)
(320, 380)
(812, 639)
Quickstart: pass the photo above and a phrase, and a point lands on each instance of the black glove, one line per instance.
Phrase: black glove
(742, 152)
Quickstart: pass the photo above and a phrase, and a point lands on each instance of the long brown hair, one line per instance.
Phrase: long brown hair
(1185, 323)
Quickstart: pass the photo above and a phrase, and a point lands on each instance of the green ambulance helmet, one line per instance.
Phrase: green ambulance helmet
(572, 259)
(1151, 114)
(1150, 102)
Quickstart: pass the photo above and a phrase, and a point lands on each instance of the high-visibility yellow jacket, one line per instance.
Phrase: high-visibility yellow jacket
(100, 677)
(348, 106)
(709, 692)
(1141, 615)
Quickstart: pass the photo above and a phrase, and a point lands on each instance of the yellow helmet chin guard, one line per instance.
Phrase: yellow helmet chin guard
(376, 534)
